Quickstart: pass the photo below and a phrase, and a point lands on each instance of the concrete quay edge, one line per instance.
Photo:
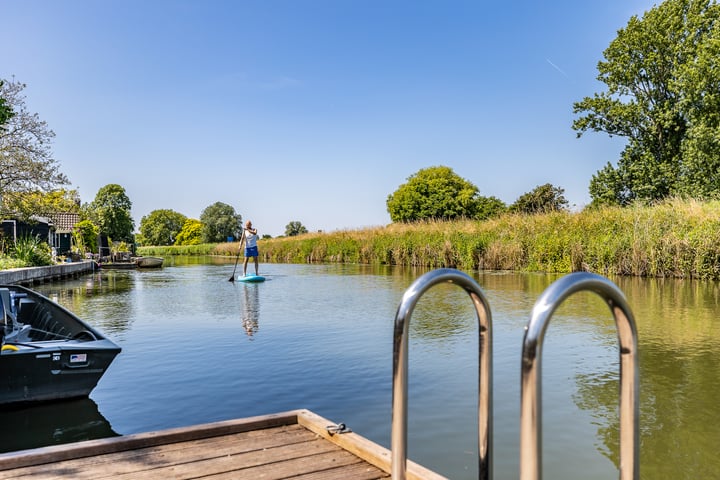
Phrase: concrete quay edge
(31, 275)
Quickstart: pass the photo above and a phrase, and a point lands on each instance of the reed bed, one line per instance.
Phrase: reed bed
(162, 251)
(678, 238)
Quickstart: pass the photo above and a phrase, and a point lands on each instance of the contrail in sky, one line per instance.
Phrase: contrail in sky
(556, 68)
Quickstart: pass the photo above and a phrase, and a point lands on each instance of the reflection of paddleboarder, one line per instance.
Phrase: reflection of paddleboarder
(251, 309)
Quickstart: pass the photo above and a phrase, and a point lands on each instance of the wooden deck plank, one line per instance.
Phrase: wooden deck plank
(362, 447)
(181, 462)
(236, 465)
(90, 448)
(302, 465)
(169, 454)
(357, 471)
(293, 444)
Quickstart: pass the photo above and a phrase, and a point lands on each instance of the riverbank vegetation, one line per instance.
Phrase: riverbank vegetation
(677, 238)
(28, 251)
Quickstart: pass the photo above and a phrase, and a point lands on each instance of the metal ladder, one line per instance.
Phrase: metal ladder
(400, 359)
(530, 395)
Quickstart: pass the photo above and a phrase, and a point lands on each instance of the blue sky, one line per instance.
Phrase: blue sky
(312, 110)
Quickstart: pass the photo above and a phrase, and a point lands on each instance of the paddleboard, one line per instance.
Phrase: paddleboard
(250, 278)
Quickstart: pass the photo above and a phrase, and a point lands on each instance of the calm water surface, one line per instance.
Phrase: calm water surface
(198, 348)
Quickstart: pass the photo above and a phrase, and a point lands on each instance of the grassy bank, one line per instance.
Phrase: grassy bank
(674, 239)
(203, 249)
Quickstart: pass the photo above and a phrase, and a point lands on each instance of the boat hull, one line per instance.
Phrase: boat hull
(149, 262)
(47, 352)
(134, 262)
(53, 372)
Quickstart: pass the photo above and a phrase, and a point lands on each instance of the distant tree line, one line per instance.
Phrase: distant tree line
(31, 184)
(438, 193)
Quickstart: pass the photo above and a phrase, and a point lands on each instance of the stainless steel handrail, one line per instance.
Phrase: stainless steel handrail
(400, 360)
(530, 386)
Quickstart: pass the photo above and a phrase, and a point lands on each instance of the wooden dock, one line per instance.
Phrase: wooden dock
(295, 444)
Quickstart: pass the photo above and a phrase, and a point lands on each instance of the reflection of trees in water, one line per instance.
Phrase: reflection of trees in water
(675, 312)
(251, 309)
(443, 311)
(678, 430)
(78, 295)
(679, 412)
(599, 394)
(679, 353)
(446, 311)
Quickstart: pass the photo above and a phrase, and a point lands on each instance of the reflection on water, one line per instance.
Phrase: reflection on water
(679, 333)
(250, 308)
(326, 345)
(109, 288)
(52, 424)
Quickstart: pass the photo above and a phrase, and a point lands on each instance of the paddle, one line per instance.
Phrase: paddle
(242, 239)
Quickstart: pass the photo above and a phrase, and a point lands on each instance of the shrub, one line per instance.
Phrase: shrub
(32, 251)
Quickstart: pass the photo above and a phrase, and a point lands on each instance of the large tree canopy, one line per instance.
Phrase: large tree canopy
(438, 193)
(161, 227)
(26, 161)
(110, 211)
(220, 222)
(662, 74)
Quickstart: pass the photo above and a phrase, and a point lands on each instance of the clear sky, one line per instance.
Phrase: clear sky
(312, 110)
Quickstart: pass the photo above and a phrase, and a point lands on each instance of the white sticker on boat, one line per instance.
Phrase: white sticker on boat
(78, 357)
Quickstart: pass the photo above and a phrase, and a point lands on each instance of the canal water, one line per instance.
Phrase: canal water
(198, 348)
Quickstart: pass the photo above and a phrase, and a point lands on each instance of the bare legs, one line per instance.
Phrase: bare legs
(245, 262)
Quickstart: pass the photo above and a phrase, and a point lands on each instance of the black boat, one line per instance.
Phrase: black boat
(47, 353)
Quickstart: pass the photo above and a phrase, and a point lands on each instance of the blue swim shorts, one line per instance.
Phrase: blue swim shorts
(251, 251)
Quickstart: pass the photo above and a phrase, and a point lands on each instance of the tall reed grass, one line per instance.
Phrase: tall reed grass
(678, 238)
(162, 251)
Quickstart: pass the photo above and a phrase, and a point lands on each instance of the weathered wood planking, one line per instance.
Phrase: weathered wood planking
(292, 444)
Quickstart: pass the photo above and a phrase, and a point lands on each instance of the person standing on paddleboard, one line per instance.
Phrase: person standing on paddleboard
(251, 249)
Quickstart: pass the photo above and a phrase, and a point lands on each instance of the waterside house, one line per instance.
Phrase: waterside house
(64, 226)
(40, 227)
(55, 229)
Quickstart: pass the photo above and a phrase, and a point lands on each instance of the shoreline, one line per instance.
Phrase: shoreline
(30, 275)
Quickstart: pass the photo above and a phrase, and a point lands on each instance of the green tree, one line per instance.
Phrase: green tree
(220, 221)
(542, 199)
(161, 227)
(26, 160)
(110, 211)
(44, 203)
(488, 207)
(435, 192)
(700, 82)
(85, 235)
(294, 228)
(663, 77)
(6, 111)
(191, 233)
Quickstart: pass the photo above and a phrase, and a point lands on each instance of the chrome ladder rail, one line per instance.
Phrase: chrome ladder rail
(400, 376)
(530, 387)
